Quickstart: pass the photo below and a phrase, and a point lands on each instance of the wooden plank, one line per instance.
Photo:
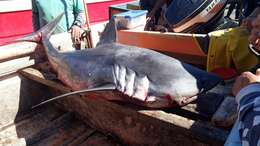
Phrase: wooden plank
(47, 126)
(16, 50)
(179, 43)
(66, 134)
(98, 139)
(30, 129)
(21, 49)
(185, 47)
(17, 95)
(135, 127)
(14, 65)
(53, 126)
(35, 75)
(82, 137)
(200, 61)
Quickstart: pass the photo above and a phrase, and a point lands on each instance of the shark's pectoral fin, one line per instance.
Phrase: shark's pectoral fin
(102, 88)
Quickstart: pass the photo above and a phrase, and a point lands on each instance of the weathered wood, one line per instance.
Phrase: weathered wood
(81, 138)
(98, 139)
(181, 43)
(67, 132)
(135, 127)
(35, 75)
(46, 126)
(18, 95)
(21, 49)
(191, 59)
(14, 65)
(16, 50)
(25, 130)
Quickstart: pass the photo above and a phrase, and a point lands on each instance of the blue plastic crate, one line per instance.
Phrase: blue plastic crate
(132, 18)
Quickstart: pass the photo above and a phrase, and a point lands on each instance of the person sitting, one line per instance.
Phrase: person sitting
(246, 130)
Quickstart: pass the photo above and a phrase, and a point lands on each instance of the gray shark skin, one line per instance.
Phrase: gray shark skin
(142, 76)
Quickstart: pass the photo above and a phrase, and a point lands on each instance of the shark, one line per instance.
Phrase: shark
(141, 76)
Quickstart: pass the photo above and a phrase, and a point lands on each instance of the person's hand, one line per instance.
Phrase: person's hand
(75, 34)
(245, 79)
(254, 37)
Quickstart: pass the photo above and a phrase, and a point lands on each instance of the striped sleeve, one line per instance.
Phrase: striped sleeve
(249, 115)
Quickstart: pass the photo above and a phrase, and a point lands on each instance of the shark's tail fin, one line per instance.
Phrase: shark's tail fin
(45, 31)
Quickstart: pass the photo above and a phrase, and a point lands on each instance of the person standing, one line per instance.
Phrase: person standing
(43, 11)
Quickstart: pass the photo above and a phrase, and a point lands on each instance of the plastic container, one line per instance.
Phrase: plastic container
(131, 19)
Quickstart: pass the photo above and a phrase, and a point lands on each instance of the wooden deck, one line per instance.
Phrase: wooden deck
(50, 126)
(22, 86)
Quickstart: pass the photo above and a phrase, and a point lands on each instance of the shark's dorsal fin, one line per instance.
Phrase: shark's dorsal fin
(109, 35)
